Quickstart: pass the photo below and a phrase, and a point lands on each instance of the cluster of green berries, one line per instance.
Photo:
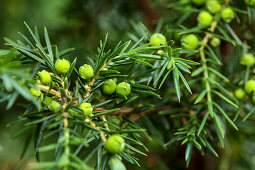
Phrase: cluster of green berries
(249, 88)
(110, 86)
(115, 144)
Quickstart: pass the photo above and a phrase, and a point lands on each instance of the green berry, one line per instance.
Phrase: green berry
(45, 77)
(247, 59)
(227, 14)
(250, 2)
(86, 71)
(198, 2)
(35, 92)
(239, 93)
(189, 42)
(123, 89)
(250, 86)
(86, 108)
(215, 42)
(47, 101)
(115, 144)
(55, 107)
(205, 18)
(157, 39)
(213, 6)
(62, 66)
(109, 86)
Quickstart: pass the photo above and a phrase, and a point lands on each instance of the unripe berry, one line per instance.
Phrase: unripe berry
(109, 86)
(239, 93)
(45, 77)
(115, 144)
(123, 89)
(86, 71)
(250, 86)
(86, 108)
(215, 42)
(205, 18)
(47, 101)
(189, 42)
(227, 14)
(157, 39)
(62, 66)
(247, 59)
(198, 2)
(213, 6)
(55, 107)
(250, 2)
(35, 92)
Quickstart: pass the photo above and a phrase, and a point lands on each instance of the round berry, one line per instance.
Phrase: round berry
(250, 2)
(123, 89)
(45, 77)
(227, 14)
(250, 86)
(247, 59)
(205, 18)
(62, 66)
(198, 2)
(157, 39)
(86, 71)
(47, 101)
(213, 6)
(35, 92)
(109, 86)
(115, 144)
(55, 107)
(189, 42)
(215, 42)
(239, 93)
(86, 108)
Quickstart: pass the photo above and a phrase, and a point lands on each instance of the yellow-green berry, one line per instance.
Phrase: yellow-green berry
(198, 2)
(86, 71)
(115, 144)
(55, 107)
(215, 42)
(205, 18)
(47, 101)
(189, 42)
(45, 77)
(123, 89)
(86, 108)
(157, 39)
(247, 59)
(62, 66)
(109, 86)
(250, 2)
(240, 93)
(250, 86)
(227, 14)
(35, 92)
(213, 6)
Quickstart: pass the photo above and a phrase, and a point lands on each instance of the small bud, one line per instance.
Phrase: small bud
(86, 71)
(215, 42)
(189, 42)
(47, 101)
(227, 14)
(123, 89)
(115, 144)
(205, 18)
(157, 39)
(250, 86)
(62, 66)
(55, 107)
(247, 59)
(45, 77)
(239, 93)
(109, 86)
(86, 108)
(213, 6)
(35, 92)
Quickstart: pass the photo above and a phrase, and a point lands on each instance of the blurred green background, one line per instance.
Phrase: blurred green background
(81, 24)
